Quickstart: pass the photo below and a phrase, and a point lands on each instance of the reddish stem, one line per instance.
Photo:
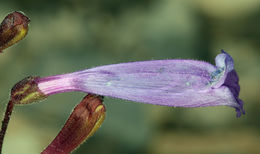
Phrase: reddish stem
(5, 122)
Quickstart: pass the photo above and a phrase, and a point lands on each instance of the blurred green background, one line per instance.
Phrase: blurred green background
(70, 35)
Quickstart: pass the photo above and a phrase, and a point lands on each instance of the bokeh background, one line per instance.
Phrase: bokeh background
(70, 35)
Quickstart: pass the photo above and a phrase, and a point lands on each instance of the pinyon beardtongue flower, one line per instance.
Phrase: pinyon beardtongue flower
(178, 83)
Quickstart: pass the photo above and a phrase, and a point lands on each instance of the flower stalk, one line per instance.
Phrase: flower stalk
(5, 122)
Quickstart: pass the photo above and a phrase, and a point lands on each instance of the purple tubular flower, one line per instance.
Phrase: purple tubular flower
(178, 83)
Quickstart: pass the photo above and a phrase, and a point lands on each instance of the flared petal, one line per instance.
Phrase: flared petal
(225, 75)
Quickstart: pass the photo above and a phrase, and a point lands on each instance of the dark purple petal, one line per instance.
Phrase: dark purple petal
(227, 76)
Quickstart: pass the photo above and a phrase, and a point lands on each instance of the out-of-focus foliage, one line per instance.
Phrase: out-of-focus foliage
(69, 35)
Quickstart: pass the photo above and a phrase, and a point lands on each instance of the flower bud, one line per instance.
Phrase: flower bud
(13, 29)
(26, 91)
(83, 122)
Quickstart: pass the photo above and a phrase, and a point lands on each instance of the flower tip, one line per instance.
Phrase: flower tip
(223, 51)
(18, 18)
(238, 113)
(240, 110)
(22, 14)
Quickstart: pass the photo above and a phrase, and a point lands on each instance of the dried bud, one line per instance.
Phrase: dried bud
(26, 91)
(13, 29)
(83, 122)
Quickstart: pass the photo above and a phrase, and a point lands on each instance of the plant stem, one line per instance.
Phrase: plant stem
(5, 122)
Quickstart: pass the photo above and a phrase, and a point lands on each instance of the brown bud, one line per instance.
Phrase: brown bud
(83, 122)
(26, 91)
(13, 29)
